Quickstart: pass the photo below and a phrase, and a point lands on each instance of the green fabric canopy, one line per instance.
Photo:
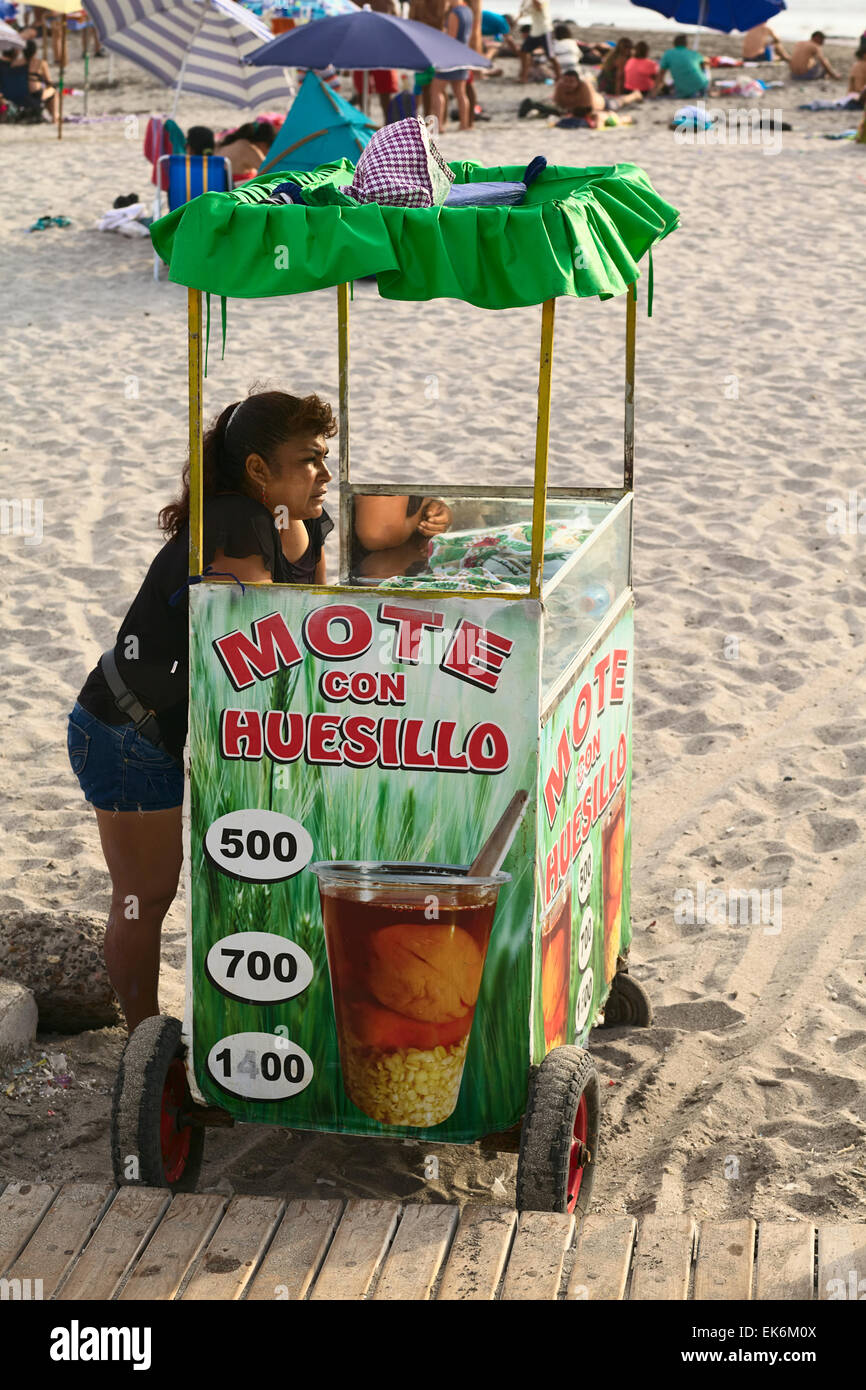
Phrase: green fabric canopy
(578, 232)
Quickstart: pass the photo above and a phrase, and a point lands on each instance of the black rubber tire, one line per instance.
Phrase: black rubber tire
(628, 1004)
(555, 1090)
(136, 1109)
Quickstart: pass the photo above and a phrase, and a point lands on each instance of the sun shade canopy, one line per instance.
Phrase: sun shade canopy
(579, 232)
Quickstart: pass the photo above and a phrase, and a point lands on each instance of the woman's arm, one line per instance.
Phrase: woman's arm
(250, 569)
(381, 522)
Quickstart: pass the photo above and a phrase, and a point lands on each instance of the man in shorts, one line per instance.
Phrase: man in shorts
(807, 59)
(540, 36)
(383, 81)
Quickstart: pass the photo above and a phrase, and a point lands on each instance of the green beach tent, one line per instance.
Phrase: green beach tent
(320, 127)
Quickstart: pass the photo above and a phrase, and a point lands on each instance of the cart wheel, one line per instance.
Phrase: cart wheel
(151, 1145)
(559, 1139)
(628, 1003)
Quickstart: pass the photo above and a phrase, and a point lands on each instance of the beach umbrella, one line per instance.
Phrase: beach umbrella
(725, 15)
(365, 41)
(198, 45)
(9, 37)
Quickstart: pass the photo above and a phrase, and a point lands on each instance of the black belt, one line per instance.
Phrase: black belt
(144, 720)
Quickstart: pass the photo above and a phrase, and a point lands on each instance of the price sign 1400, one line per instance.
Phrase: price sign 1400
(259, 1066)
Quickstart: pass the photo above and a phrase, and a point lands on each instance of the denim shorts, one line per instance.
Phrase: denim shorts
(119, 769)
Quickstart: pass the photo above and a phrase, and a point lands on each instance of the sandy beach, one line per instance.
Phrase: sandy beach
(746, 1097)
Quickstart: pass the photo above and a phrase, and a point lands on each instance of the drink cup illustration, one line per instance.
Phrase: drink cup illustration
(612, 848)
(556, 968)
(406, 949)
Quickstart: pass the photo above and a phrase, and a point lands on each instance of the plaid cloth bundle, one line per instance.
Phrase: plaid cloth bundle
(402, 167)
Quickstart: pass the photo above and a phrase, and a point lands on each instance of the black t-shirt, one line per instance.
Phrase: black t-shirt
(156, 666)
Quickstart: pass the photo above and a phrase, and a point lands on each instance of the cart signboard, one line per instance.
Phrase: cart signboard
(584, 843)
(331, 733)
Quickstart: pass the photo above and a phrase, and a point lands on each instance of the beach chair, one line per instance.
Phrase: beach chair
(188, 176)
(15, 88)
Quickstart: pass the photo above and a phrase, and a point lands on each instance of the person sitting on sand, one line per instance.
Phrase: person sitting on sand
(641, 70)
(496, 37)
(687, 68)
(200, 140)
(265, 479)
(39, 80)
(857, 75)
(611, 78)
(761, 45)
(246, 148)
(807, 60)
(565, 49)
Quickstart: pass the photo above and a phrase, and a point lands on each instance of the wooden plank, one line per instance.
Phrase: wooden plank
(116, 1243)
(419, 1249)
(842, 1262)
(663, 1259)
(785, 1267)
(296, 1251)
(358, 1249)
(723, 1270)
(184, 1231)
(22, 1206)
(535, 1264)
(479, 1253)
(603, 1258)
(64, 1229)
(234, 1252)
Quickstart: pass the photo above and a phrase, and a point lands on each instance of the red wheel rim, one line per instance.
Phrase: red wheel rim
(575, 1170)
(174, 1141)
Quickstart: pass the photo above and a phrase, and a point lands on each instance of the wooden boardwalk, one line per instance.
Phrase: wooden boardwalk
(95, 1241)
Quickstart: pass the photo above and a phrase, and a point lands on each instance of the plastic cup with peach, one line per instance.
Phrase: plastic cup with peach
(406, 948)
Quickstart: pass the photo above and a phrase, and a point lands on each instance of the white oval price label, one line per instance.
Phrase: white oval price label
(259, 1066)
(258, 846)
(258, 967)
(584, 1003)
(584, 874)
(584, 941)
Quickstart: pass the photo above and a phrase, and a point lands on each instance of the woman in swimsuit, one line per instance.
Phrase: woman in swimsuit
(265, 479)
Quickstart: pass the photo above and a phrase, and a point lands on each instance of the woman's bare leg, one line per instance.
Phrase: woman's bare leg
(143, 852)
(459, 90)
(439, 102)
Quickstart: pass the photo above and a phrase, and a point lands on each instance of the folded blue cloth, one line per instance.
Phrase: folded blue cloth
(484, 195)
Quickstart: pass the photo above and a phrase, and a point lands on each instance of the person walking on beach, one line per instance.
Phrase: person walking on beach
(540, 36)
(458, 23)
(807, 60)
(761, 45)
(265, 479)
(687, 68)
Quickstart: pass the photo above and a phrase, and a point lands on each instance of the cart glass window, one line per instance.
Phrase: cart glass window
(482, 543)
(583, 592)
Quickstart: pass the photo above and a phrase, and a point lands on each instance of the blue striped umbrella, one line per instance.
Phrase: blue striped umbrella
(197, 45)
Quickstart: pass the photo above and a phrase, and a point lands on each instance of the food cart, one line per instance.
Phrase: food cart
(353, 964)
